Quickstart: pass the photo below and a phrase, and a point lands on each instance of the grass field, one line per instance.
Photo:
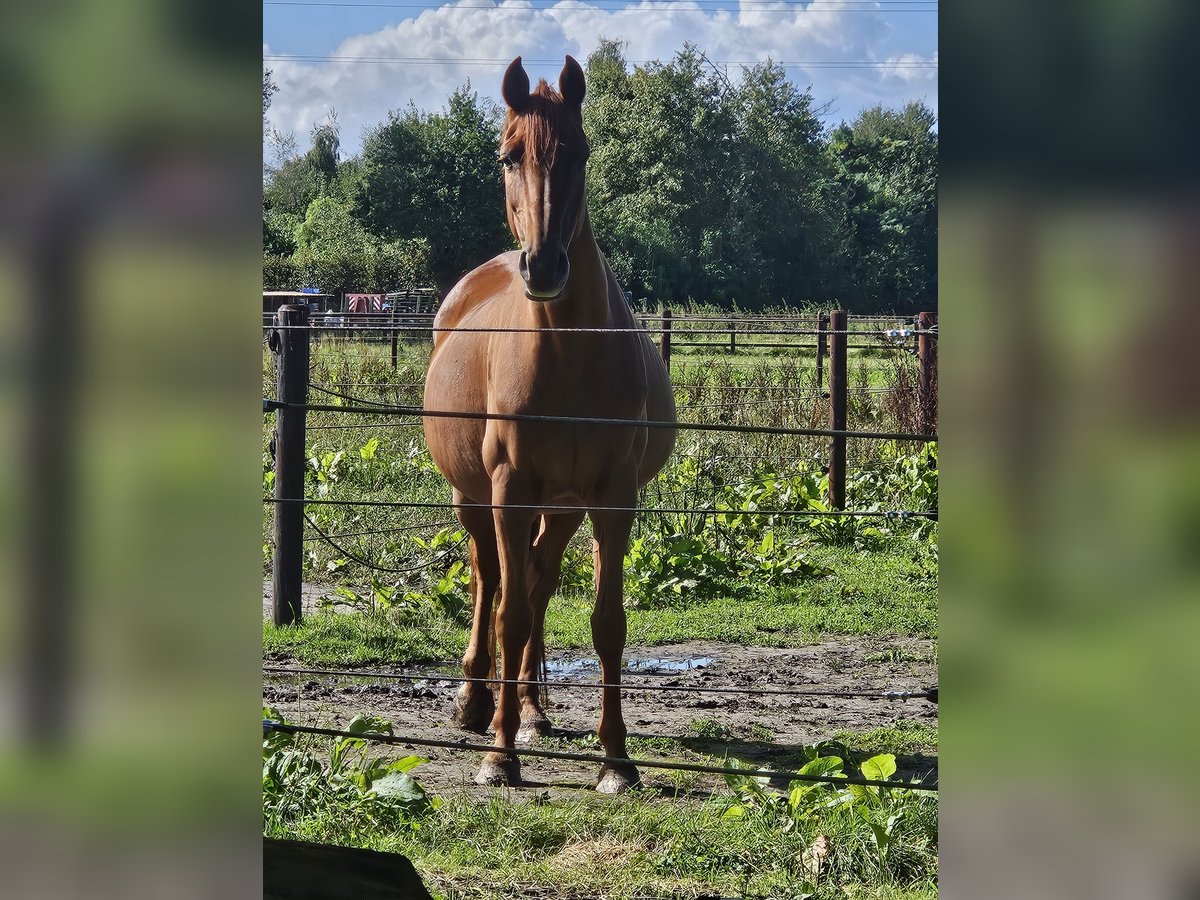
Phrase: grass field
(749, 580)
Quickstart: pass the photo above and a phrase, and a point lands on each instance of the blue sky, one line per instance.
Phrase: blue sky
(369, 57)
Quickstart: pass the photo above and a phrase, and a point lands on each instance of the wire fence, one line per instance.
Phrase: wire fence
(383, 413)
(382, 409)
(358, 328)
(270, 725)
(554, 509)
(929, 693)
(377, 410)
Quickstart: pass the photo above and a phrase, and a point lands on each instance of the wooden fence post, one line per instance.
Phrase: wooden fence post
(665, 338)
(292, 350)
(821, 337)
(732, 336)
(927, 376)
(837, 408)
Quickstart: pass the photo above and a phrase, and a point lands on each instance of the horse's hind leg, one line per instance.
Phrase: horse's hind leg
(545, 567)
(474, 705)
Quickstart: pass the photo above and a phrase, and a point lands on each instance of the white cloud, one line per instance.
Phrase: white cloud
(363, 93)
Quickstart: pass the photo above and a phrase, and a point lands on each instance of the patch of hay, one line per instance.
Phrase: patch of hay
(592, 854)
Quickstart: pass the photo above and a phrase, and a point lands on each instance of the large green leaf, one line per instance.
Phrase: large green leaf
(880, 768)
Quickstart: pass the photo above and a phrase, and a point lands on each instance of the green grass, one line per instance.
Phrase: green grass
(363, 639)
(871, 592)
(904, 738)
(573, 847)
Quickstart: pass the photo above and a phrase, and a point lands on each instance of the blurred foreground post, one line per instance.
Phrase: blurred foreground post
(294, 869)
(927, 358)
(291, 345)
(837, 409)
(58, 237)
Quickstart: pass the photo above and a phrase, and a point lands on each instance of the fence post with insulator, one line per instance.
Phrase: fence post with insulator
(837, 409)
(927, 373)
(291, 346)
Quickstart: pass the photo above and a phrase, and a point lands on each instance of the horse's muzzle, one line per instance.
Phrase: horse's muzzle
(544, 272)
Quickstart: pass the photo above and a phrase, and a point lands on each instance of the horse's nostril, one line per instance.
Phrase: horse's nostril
(544, 270)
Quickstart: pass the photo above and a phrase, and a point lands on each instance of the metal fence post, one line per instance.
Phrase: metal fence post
(927, 375)
(837, 408)
(292, 350)
(665, 338)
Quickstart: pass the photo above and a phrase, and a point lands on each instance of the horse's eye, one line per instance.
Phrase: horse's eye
(506, 161)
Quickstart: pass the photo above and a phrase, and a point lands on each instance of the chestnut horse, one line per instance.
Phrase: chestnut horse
(509, 475)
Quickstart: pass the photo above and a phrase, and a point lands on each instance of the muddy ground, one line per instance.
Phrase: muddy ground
(766, 730)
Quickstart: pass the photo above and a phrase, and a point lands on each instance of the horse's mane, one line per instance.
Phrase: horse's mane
(543, 124)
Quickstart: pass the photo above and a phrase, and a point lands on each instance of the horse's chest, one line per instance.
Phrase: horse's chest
(566, 457)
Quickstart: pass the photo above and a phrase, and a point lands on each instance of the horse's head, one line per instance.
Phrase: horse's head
(543, 151)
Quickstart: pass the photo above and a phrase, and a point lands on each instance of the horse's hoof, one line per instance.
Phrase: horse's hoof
(532, 729)
(499, 774)
(617, 779)
(473, 710)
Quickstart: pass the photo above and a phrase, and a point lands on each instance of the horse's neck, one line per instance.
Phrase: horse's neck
(585, 301)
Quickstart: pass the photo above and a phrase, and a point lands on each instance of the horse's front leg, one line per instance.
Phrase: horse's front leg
(611, 531)
(513, 624)
(545, 568)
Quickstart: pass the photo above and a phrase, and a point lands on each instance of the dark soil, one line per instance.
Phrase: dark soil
(765, 730)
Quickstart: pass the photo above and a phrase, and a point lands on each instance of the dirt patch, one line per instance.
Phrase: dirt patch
(766, 730)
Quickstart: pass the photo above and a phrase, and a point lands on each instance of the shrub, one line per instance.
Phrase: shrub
(280, 273)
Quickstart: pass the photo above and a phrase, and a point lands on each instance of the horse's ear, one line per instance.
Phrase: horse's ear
(570, 83)
(515, 88)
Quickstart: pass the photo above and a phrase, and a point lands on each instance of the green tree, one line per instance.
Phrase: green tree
(783, 229)
(324, 153)
(293, 181)
(886, 161)
(434, 177)
(279, 233)
(333, 251)
(658, 177)
(269, 90)
(706, 189)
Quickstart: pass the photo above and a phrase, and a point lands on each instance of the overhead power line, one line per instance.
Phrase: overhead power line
(480, 61)
(784, 6)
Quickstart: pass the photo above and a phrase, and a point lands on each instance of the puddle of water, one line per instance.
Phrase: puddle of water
(572, 666)
(645, 666)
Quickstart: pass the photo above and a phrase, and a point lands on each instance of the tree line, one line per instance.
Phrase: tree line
(700, 188)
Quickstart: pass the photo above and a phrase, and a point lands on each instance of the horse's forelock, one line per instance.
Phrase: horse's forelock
(542, 125)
